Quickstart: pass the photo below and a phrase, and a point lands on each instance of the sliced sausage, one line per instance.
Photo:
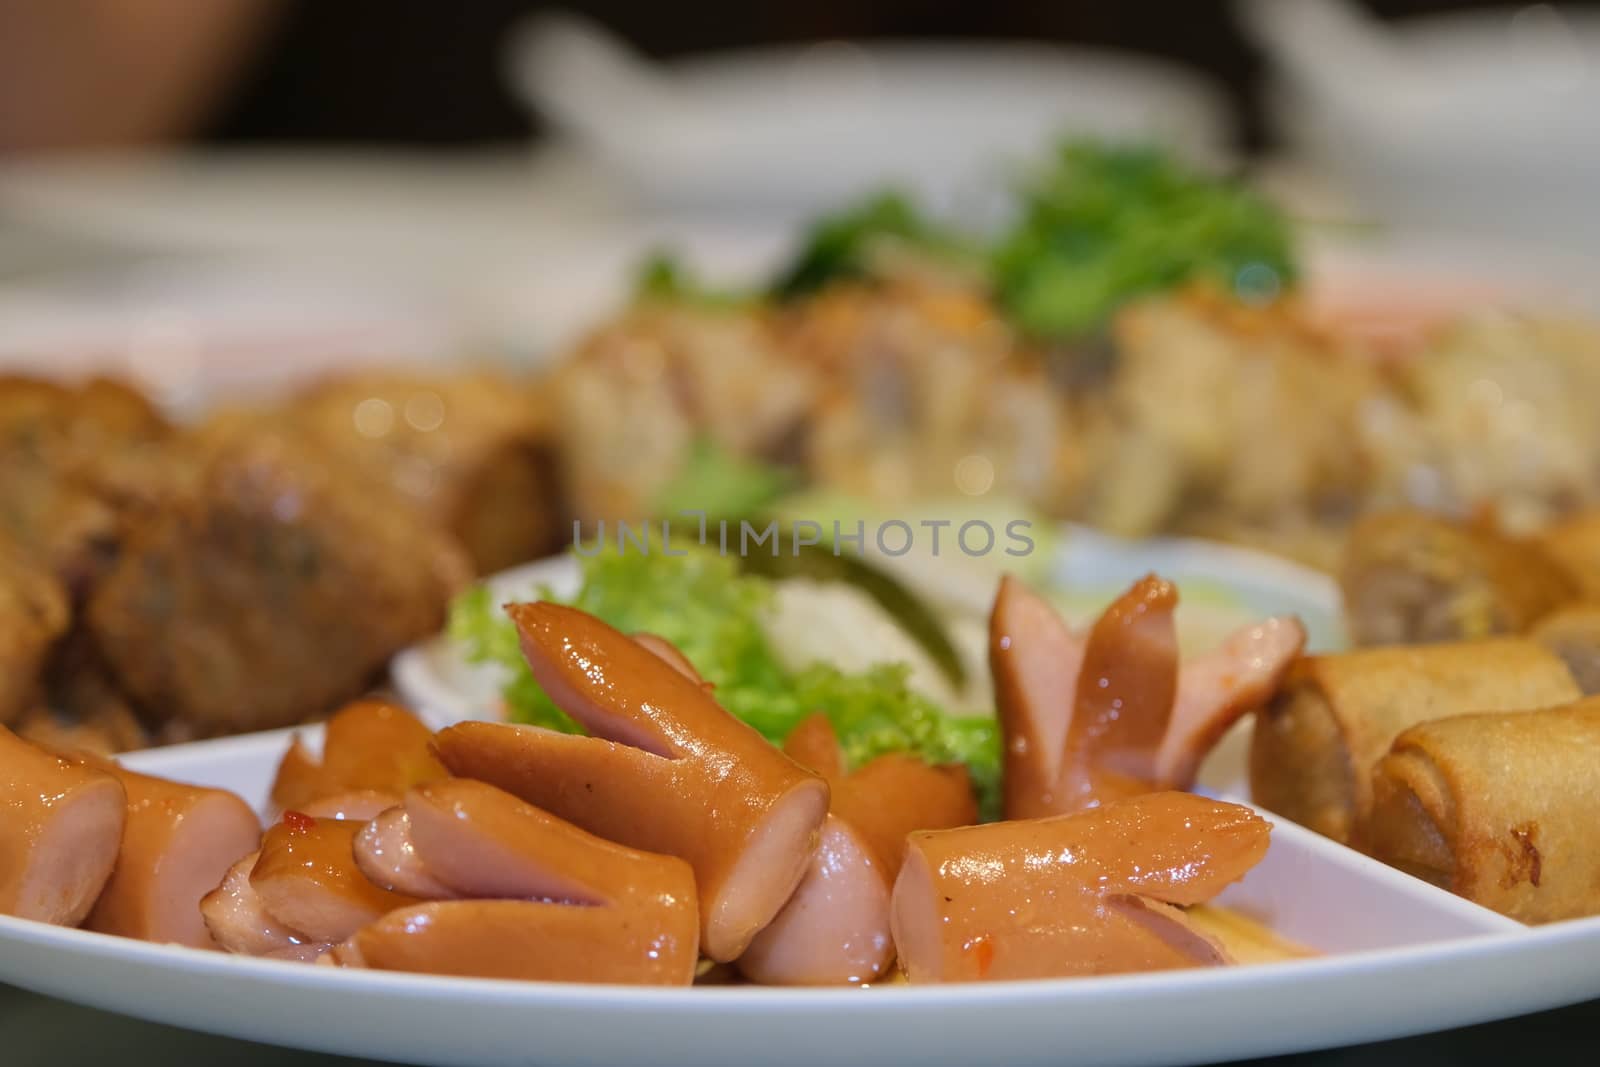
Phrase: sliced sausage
(307, 879)
(666, 770)
(1123, 702)
(357, 805)
(367, 745)
(60, 825)
(1219, 688)
(177, 844)
(385, 854)
(524, 940)
(835, 929)
(887, 797)
(1035, 660)
(1054, 897)
(239, 922)
(1089, 719)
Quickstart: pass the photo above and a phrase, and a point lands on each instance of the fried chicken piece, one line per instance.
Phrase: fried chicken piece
(271, 587)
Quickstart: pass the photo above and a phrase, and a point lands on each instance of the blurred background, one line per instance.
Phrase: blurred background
(224, 200)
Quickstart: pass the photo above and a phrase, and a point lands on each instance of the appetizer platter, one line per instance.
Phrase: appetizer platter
(807, 875)
(298, 746)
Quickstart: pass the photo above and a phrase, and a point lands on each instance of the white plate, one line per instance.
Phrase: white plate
(1402, 956)
(1408, 958)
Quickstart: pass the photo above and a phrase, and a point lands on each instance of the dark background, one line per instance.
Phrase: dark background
(421, 73)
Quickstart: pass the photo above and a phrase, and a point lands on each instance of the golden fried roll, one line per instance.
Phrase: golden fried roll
(1314, 745)
(1573, 633)
(531, 941)
(1497, 808)
(178, 842)
(307, 879)
(1413, 578)
(667, 770)
(1574, 544)
(370, 745)
(1095, 892)
(60, 824)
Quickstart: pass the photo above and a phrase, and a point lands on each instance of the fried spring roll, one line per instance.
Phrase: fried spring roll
(1574, 544)
(307, 879)
(1496, 808)
(1096, 892)
(60, 825)
(666, 770)
(1414, 578)
(178, 842)
(368, 745)
(1314, 745)
(1573, 633)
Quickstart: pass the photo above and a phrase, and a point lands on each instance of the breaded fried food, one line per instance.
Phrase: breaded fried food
(634, 396)
(471, 451)
(33, 614)
(1409, 577)
(62, 449)
(270, 587)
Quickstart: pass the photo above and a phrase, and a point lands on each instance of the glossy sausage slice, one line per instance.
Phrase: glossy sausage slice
(835, 928)
(239, 922)
(667, 770)
(887, 797)
(672, 656)
(368, 745)
(1133, 718)
(177, 844)
(385, 854)
(307, 879)
(1123, 702)
(60, 825)
(1219, 688)
(524, 940)
(357, 805)
(1070, 894)
(1035, 660)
